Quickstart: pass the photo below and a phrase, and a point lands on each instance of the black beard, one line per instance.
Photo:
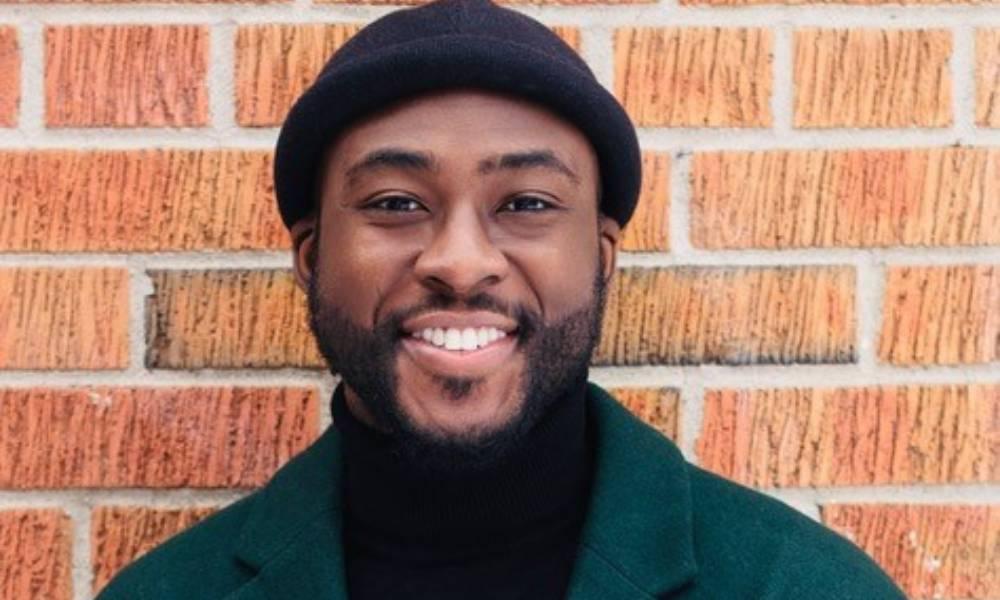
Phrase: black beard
(557, 359)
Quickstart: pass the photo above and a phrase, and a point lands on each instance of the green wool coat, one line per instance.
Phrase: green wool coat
(657, 527)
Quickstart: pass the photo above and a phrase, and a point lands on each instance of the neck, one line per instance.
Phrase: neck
(540, 486)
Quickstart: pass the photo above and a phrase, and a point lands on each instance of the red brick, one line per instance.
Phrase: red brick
(846, 198)
(931, 551)
(228, 319)
(694, 76)
(151, 437)
(136, 75)
(35, 555)
(275, 63)
(121, 534)
(852, 436)
(138, 201)
(10, 76)
(941, 315)
(988, 77)
(658, 407)
(872, 78)
(649, 229)
(54, 318)
(737, 315)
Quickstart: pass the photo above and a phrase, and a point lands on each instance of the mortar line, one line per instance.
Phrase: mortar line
(81, 560)
(31, 113)
(88, 498)
(679, 218)
(681, 255)
(140, 287)
(657, 14)
(221, 79)
(868, 298)
(692, 406)
(782, 67)
(650, 138)
(963, 88)
(597, 49)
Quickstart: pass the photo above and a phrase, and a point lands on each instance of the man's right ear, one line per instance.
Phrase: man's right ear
(304, 242)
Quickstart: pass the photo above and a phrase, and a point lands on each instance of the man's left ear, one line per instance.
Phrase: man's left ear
(610, 234)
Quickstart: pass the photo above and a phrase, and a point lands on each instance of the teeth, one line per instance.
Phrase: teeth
(452, 338)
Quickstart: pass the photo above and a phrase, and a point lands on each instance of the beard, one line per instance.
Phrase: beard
(557, 356)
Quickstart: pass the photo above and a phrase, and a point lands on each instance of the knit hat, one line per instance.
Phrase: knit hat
(451, 44)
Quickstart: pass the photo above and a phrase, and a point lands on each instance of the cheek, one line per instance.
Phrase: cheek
(559, 274)
(359, 269)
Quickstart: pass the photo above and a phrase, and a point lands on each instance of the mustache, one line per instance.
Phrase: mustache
(528, 321)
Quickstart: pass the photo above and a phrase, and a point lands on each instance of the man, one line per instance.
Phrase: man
(455, 183)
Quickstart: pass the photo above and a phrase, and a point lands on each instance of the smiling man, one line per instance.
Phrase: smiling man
(455, 183)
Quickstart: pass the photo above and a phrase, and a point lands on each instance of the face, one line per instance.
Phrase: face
(456, 271)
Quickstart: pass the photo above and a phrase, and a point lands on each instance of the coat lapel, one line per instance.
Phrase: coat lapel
(292, 537)
(637, 540)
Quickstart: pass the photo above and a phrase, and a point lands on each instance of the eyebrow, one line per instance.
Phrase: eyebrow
(399, 158)
(528, 159)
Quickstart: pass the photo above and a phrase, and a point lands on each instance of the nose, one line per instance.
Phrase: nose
(461, 259)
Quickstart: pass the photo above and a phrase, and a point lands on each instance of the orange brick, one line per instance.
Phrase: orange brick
(63, 318)
(228, 319)
(275, 63)
(121, 534)
(659, 407)
(930, 551)
(10, 76)
(738, 315)
(846, 198)
(136, 75)
(872, 78)
(941, 315)
(988, 77)
(852, 436)
(138, 200)
(35, 555)
(694, 76)
(151, 437)
(649, 229)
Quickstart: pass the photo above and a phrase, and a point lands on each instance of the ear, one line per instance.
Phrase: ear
(609, 237)
(304, 242)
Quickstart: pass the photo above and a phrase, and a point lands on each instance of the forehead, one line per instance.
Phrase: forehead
(464, 125)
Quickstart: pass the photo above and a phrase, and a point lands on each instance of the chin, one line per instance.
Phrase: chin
(460, 409)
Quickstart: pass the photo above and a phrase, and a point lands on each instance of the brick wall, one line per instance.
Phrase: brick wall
(809, 302)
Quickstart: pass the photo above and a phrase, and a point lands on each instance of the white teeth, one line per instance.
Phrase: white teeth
(453, 338)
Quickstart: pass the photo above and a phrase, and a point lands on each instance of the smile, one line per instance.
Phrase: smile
(453, 338)
(459, 343)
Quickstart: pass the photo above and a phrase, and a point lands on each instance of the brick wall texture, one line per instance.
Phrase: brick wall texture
(807, 302)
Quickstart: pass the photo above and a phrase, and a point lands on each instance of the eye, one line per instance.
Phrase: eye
(527, 204)
(395, 203)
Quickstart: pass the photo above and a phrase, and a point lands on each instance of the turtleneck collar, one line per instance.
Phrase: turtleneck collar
(537, 492)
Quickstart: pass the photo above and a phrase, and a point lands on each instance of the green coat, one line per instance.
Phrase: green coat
(657, 527)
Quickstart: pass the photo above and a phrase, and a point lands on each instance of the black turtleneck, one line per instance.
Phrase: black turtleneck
(509, 531)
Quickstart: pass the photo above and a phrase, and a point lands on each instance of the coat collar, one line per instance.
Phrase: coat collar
(636, 540)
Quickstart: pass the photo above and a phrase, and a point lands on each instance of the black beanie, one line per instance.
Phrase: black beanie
(452, 44)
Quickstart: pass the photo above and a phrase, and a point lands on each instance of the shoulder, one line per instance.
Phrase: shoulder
(197, 563)
(772, 548)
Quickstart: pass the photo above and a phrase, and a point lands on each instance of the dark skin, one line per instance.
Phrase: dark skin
(456, 196)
